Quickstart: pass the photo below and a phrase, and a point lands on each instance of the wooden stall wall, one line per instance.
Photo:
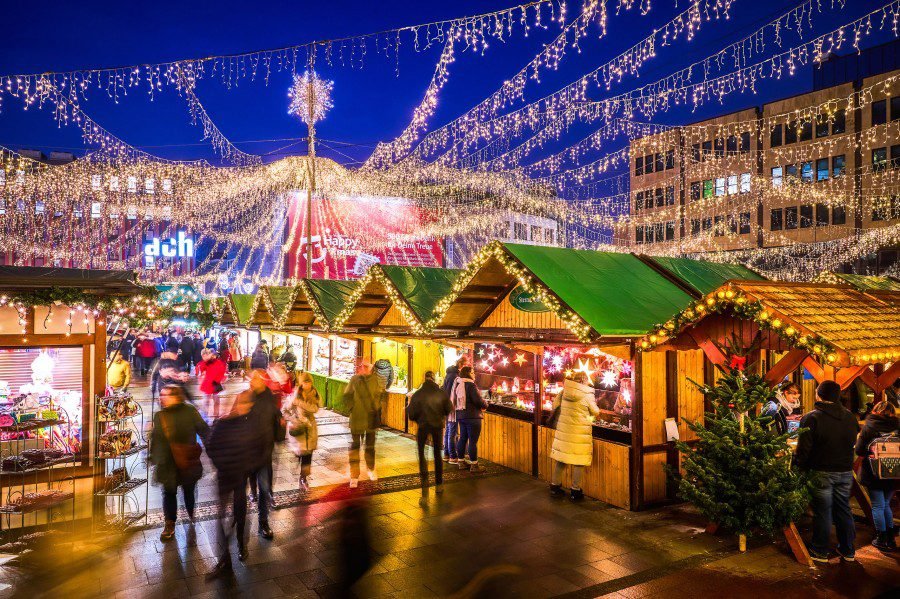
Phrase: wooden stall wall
(393, 415)
(606, 479)
(653, 397)
(506, 315)
(506, 441)
(426, 355)
(690, 399)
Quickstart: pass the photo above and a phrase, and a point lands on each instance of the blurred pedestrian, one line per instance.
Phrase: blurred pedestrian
(303, 432)
(429, 407)
(269, 428)
(260, 357)
(211, 372)
(199, 346)
(470, 408)
(362, 396)
(176, 454)
(882, 421)
(289, 359)
(118, 374)
(146, 353)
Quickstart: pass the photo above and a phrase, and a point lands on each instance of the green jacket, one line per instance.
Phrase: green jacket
(184, 424)
(363, 397)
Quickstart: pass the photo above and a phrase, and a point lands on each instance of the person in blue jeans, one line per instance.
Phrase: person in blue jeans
(880, 422)
(469, 419)
(452, 429)
(826, 448)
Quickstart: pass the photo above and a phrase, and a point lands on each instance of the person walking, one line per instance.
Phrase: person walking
(470, 408)
(826, 448)
(260, 357)
(186, 352)
(118, 374)
(880, 422)
(303, 432)
(787, 399)
(362, 396)
(289, 359)
(235, 354)
(450, 434)
(429, 407)
(176, 454)
(573, 443)
(199, 346)
(146, 353)
(212, 372)
(270, 428)
(167, 372)
(235, 448)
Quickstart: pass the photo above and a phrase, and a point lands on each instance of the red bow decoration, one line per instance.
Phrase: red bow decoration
(738, 363)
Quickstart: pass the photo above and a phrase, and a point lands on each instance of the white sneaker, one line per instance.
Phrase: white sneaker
(354, 483)
(372, 475)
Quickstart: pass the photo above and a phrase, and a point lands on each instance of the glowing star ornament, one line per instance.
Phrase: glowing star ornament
(520, 359)
(505, 361)
(310, 97)
(608, 379)
(584, 366)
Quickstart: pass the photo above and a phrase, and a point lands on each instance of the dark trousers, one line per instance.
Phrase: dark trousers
(450, 440)
(305, 464)
(367, 438)
(469, 431)
(170, 501)
(261, 481)
(237, 496)
(437, 438)
(831, 505)
(144, 364)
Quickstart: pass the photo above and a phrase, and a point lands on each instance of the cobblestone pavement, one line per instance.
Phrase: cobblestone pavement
(494, 535)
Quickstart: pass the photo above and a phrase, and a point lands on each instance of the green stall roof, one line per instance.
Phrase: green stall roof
(281, 298)
(703, 276)
(242, 303)
(616, 294)
(421, 287)
(868, 282)
(331, 295)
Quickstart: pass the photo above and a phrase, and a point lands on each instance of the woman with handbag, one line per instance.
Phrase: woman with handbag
(880, 422)
(303, 433)
(574, 411)
(212, 372)
(176, 454)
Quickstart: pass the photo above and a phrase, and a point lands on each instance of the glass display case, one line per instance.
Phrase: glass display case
(335, 357)
(505, 377)
(319, 354)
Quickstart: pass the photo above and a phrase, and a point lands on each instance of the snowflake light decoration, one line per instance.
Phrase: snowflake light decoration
(608, 379)
(309, 89)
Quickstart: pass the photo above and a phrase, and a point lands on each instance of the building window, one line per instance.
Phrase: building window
(895, 156)
(838, 166)
(670, 195)
(881, 209)
(895, 207)
(879, 159)
(549, 236)
(745, 182)
(895, 108)
(707, 223)
(879, 112)
(822, 169)
(660, 162)
(745, 223)
(821, 215)
(638, 201)
(806, 216)
(639, 234)
(776, 176)
(839, 122)
(670, 160)
(648, 234)
(790, 171)
(695, 226)
(659, 231)
(648, 163)
(707, 150)
(776, 219)
(720, 186)
(806, 172)
(806, 130)
(639, 166)
(696, 190)
(732, 225)
(720, 226)
(719, 147)
(745, 142)
(838, 215)
(790, 133)
(648, 198)
(670, 231)
(775, 136)
(790, 217)
(660, 199)
(537, 234)
(731, 145)
(732, 184)
(822, 126)
(707, 189)
(695, 152)
(520, 231)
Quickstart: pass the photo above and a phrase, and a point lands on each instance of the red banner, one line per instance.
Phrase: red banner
(349, 234)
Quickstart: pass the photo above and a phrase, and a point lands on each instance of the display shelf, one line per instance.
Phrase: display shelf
(134, 450)
(31, 425)
(68, 458)
(124, 488)
(120, 523)
(27, 509)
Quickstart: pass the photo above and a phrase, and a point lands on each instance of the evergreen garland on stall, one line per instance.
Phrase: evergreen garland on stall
(738, 472)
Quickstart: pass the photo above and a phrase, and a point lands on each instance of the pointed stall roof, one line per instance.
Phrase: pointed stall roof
(243, 307)
(420, 287)
(864, 283)
(327, 297)
(701, 276)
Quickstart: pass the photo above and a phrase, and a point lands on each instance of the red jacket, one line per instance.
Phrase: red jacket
(213, 371)
(146, 348)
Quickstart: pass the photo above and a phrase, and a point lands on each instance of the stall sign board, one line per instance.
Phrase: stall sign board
(525, 301)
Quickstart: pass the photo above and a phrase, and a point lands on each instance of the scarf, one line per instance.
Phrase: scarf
(785, 403)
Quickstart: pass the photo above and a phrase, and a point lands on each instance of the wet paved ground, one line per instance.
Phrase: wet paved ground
(492, 535)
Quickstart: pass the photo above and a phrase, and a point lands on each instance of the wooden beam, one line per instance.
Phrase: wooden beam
(846, 376)
(815, 369)
(786, 365)
(869, 378)
(672, 456)
(635, 457)
(712, 352)
(887, 378)
(46, 340)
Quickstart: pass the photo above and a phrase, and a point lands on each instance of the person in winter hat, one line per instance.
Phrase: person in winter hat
(826, 448)
(880, 422)
(470, 407)
(573, 443)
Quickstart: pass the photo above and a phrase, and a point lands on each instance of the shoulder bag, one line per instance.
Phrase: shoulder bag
(185, 455)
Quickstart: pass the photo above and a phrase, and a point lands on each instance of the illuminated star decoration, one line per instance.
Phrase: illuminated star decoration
(520, 359)
(480, 352)
(608, 379)
(584, 367)
(504, 361)
(310, 97)
(484, 365)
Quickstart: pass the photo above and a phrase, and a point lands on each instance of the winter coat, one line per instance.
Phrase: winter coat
(429, 405)
(213, 371)
(259, 359)
(573, 443)
(187, 350)
(146, 348)
(118, 374)
(828, 444)
(184, 424)
(303, 409)
(268, 423)
(467, 400)
(876, 425)
(234, 447)
(363, 397)
(234, 349)
(198, 351)
(289, 359)
(778, 414)
(449, 377)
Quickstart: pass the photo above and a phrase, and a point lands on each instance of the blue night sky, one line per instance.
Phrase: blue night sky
(371, 104)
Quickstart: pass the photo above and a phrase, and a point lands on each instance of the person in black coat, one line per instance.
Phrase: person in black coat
(469, 417)
(452, 427)
(266, 412)
(197, 356)
(234, 446)
(428, 408)
(881, 421)
(186, 353)
(260, 356)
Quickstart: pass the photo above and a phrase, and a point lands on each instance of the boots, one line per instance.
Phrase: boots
(892, 537)
(576, 494)
(557, 490)
(222, 566)
(880, 542)
(168, 531)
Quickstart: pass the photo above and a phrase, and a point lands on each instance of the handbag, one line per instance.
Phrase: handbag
(217, 387)
(884, 457)
(186, 455)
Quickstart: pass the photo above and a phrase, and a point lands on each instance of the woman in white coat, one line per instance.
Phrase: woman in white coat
(573, 443)
(303, 432)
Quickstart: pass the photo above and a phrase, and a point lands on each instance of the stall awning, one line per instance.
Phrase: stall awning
(421, 288)
(702, 276)
(242, 306)
(100, 282)
(863, 283)
(328, 298)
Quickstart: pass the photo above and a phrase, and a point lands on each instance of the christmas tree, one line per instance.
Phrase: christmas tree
(738, 472)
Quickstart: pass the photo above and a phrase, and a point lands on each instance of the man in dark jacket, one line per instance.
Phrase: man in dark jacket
(452, 428)
(826, 448)
(234, 446)
(186, 355)
(266, 413)
(260, 356)
(428, 408)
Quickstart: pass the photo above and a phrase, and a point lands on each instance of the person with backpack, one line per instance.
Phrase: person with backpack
(450, 434)
(882, 423)
(826, 448)
(469, 406)
(428, 408)
(573, 443)
(363, 397)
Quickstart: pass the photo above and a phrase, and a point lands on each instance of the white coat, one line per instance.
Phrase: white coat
(573, 443)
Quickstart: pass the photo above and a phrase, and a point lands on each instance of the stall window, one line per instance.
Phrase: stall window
(719, 147)
(822, 126)
(732, 184)
(670, 160)
(879, 159)
(806, 172)
(660, 198)
(806, 216)
(776, 219)
(745, 142)
(775, 137)
(707, 189)
(838, 215)
(695, 152)
(648, 163)
(670, 195)
(695, 226)
(790, 217)
(821, 215)
(696, 190)
(707, 149)
(745, 182)
(822, 169)
(777, 176)
(720, 186)
(660, 162)
(879, 112)
(790, 133)
(838, 165)
(639, 166)
(731, 145)
(806, 131)
(745, 223)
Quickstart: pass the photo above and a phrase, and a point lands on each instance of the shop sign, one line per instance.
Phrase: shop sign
(526, 301)
(181, 246)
